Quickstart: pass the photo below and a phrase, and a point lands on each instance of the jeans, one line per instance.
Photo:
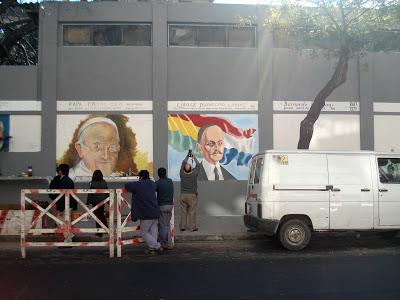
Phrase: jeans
(188, 211)
(149, 232)
(164, 225)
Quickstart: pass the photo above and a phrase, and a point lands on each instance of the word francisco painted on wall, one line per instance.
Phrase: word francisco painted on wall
(110, 105)
(8, 105)
(344, 106)
(212, 106)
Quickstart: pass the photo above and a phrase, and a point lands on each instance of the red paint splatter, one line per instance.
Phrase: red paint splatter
(3, 216)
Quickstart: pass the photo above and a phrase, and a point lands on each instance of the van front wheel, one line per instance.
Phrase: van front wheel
(294, 234)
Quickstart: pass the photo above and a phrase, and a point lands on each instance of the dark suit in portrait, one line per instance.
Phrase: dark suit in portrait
(203, 175)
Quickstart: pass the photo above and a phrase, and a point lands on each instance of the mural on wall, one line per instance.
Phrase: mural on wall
(115, 144)
(223, 143)
(331, 132)
(20, 133)
(4, 132)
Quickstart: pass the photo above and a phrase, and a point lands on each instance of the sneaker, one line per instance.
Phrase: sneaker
(195, 229)
(150, 251)
(183, 229)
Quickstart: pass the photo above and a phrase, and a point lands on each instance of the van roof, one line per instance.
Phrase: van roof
(362, 152)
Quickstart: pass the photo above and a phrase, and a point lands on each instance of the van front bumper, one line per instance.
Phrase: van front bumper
(267, 226)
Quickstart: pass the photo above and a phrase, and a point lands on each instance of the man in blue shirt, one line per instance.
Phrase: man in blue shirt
(165, 197)
(145, 208)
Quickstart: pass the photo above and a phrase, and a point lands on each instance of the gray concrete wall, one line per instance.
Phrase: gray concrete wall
(385, 76)
(105, 73)
(209, 13)
(161, 73)
(298, 76)
(18, 82)
(231, 74)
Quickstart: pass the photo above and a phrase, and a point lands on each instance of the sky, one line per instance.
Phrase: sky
(241, 1)
(254, 2)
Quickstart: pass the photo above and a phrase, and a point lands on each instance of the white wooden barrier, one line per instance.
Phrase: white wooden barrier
(66, 226)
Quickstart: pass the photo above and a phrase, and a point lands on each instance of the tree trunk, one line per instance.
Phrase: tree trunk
(338, 78)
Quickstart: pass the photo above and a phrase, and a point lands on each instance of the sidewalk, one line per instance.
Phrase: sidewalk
(211, 228)
(216, 228)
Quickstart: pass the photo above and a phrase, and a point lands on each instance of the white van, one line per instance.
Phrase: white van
(292, 193)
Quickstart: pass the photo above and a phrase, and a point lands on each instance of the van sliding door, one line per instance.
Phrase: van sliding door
(351, 195)
(389, 191)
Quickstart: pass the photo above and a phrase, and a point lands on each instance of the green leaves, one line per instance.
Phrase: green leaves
(327, 26)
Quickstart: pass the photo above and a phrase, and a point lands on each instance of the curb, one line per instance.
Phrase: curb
(219, 237)
(182, 238)
(178, 238)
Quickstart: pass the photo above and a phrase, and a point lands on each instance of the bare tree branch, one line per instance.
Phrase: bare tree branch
(5, 5)
(14, 24)
(24, 52)
(331, 17)
(364, 11)
(12, 38)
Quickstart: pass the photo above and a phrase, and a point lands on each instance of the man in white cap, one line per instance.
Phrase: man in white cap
(97, 146)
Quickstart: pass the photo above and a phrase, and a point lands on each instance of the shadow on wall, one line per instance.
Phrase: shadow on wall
(332, 132)
(223, 198)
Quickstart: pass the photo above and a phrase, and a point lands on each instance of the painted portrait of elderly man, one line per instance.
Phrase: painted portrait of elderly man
(223, 143)
(4, 128)
(101, 142)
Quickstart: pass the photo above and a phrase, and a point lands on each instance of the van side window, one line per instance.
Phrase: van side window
(389, 170)
(257, 173)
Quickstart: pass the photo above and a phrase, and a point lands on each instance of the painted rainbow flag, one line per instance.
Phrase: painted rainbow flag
(183, 129)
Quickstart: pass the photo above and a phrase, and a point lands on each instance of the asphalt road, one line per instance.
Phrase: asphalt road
(331, 268)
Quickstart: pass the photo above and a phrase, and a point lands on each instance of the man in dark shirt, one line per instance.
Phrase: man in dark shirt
(63, 182)
(165, 198)
(188, 197)
(145, 208)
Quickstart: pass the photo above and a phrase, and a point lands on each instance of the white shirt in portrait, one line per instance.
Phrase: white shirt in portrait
(209, 169)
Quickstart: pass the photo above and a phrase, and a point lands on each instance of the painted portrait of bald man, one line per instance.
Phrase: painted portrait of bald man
(211, 144)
